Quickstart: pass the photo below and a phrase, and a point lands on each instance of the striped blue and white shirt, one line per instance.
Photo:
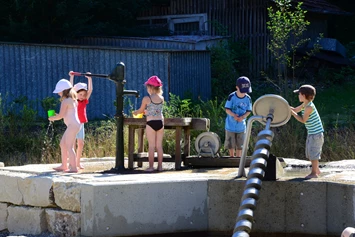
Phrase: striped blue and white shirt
(313, 124)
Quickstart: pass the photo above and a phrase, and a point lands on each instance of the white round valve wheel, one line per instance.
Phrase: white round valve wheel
(274, 104)
(207, 144)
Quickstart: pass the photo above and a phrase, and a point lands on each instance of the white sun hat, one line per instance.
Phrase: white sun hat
(80, 86)
(62, 84)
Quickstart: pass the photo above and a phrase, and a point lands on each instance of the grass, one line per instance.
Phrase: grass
(24, 140)
(336, 104)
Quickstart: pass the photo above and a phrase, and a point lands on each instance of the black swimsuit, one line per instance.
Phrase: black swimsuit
(156, 125)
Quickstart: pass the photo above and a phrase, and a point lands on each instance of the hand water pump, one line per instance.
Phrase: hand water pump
(118, 77)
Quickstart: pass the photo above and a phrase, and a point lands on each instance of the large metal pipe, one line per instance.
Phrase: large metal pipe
(241, 170)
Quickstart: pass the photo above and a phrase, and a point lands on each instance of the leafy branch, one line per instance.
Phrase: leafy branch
(287, 26)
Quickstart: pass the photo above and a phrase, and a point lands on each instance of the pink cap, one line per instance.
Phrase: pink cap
(154, 81)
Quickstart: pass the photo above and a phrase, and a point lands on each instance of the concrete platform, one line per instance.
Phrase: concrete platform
(135, 203)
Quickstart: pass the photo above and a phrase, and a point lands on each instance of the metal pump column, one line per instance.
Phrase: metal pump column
(118, 75)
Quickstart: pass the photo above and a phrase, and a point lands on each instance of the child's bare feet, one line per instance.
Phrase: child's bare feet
(150, 169)
(60, 168)
(311, 176)
(71, 171)
(160, 169)
(80, 167)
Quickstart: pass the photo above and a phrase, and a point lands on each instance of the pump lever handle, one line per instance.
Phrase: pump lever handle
(90, 75)
(131, 92)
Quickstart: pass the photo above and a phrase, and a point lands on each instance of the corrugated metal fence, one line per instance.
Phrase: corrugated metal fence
(33, 70)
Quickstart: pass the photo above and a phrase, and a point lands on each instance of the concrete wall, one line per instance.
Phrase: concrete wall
(69, 206)
(286, 207)
(310, 207)
(150, 208)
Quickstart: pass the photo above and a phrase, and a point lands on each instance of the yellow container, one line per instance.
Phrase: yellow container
(138, 116)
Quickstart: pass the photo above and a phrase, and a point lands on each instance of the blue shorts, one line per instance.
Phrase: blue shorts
(81, 133)
(314, 144)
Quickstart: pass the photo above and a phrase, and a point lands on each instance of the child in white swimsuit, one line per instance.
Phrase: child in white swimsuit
(68, 112)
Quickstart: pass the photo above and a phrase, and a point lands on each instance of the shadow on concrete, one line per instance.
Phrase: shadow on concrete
(298, 179)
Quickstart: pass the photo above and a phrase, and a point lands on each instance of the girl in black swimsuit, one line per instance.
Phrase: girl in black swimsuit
(152, 105)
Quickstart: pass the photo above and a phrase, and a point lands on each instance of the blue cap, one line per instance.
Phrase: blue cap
(244, 85)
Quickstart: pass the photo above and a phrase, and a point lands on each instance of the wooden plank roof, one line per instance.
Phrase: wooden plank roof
(322, 6)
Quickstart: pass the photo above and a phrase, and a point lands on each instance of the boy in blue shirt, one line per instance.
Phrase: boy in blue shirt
(238, 106)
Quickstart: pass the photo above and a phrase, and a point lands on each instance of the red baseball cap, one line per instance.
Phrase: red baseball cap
(154, 81)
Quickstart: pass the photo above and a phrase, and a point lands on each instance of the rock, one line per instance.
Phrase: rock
(3, 216)
(67, 195)
(37, 191)
(63, 223)
(26, 220)
(10, 184)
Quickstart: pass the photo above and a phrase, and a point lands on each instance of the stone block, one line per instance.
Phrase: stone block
(37, 191)
(63, 223)
(10, 187)
(224, 198)
(25, 189)
(3, 216)
(137, 208)
(67, 195)
(26, 220)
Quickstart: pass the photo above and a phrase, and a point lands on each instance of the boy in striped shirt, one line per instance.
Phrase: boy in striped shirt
(310, 117)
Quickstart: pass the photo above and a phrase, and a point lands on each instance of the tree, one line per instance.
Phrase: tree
(287, 25)
(49, 20)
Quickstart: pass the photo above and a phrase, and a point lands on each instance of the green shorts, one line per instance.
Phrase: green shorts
(234, 140)
(314, 144)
